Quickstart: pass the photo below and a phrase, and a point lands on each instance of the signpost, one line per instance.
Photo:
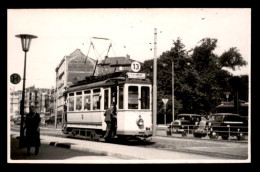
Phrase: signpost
(164, 103)
(15, 78)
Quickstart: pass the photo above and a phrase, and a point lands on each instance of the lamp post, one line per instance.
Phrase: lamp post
(26, 41)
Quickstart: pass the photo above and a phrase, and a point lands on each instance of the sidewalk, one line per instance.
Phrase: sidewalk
(123, 152)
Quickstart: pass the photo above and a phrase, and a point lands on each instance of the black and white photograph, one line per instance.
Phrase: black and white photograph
(129, 85)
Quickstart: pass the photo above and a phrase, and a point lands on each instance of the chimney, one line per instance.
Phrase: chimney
(127, 56)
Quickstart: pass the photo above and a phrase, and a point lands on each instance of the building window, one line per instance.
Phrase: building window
(145, 98)
(133, 97)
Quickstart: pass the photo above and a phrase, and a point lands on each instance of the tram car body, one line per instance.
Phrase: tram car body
(87, 101)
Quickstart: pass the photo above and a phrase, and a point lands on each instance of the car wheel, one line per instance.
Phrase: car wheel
(213, 135)
(197, 135)
(168, 133)
(184, 133)
(224, 137)
(241, 136)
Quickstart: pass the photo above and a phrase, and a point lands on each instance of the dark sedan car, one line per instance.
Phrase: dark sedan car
(226, 125)
(184, 124)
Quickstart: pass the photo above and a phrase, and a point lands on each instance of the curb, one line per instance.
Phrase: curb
(100, 152)
(214, 154)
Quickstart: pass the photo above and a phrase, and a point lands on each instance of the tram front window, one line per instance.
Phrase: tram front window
(145, 98)
(133, 97)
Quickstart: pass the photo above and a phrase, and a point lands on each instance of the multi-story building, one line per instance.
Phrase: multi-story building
(39, 97)
(71, 69)
(15, 98)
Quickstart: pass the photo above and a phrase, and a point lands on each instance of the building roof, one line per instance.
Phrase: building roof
(75, 54)
(119, 60)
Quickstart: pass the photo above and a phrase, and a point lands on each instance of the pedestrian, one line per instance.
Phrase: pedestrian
(110, 119)
(32, 134)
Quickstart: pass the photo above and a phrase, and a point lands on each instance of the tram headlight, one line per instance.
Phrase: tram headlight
(140, 122)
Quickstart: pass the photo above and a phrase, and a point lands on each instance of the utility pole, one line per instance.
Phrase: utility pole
(155, 84)
(172, 91)
(56, 106)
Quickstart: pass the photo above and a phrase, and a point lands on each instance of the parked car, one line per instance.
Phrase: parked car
(184, 124)
(50, 120)
(226, 125)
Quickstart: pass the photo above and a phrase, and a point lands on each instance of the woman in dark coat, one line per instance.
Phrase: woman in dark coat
(32, 122)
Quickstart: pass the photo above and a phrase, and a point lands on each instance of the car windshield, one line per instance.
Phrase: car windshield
(184, 117)
(216, 117)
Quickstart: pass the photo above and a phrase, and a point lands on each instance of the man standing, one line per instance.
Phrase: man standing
(32, 122)
(110, 119)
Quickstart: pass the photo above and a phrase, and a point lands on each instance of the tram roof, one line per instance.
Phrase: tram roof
(118, 78)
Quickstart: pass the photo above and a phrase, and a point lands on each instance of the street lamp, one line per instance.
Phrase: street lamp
(26, 41)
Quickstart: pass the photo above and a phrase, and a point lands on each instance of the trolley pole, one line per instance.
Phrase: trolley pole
(155, 85)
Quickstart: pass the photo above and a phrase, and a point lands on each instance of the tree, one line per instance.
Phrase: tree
(213, 78)
(199, 79)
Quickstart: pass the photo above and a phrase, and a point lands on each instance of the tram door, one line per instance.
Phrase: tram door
(114, 96)
(114, 101)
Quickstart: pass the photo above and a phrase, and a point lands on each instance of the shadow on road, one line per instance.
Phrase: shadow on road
(46, 152)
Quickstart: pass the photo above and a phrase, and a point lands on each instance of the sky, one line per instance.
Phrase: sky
(131, 31)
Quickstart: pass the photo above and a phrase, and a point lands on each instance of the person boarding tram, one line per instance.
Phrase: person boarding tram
(110, 119)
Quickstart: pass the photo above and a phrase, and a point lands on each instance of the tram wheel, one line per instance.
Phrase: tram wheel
(224, 137)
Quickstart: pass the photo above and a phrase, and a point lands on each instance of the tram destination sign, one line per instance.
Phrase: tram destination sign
(136, 75)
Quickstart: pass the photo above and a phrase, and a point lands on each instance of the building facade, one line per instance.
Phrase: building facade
(71, 69)
(39, 97)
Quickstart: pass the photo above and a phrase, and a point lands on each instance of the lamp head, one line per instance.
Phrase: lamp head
(26, 40)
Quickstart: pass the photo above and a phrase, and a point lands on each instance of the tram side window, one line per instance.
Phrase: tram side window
(71, 102)
(145, 98)
(133, 97)
(87, 100)
(79, 101)
(106, 100)
(121, 97)
(96, 99)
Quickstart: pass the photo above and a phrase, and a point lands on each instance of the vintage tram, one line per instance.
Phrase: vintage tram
(87, 100)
